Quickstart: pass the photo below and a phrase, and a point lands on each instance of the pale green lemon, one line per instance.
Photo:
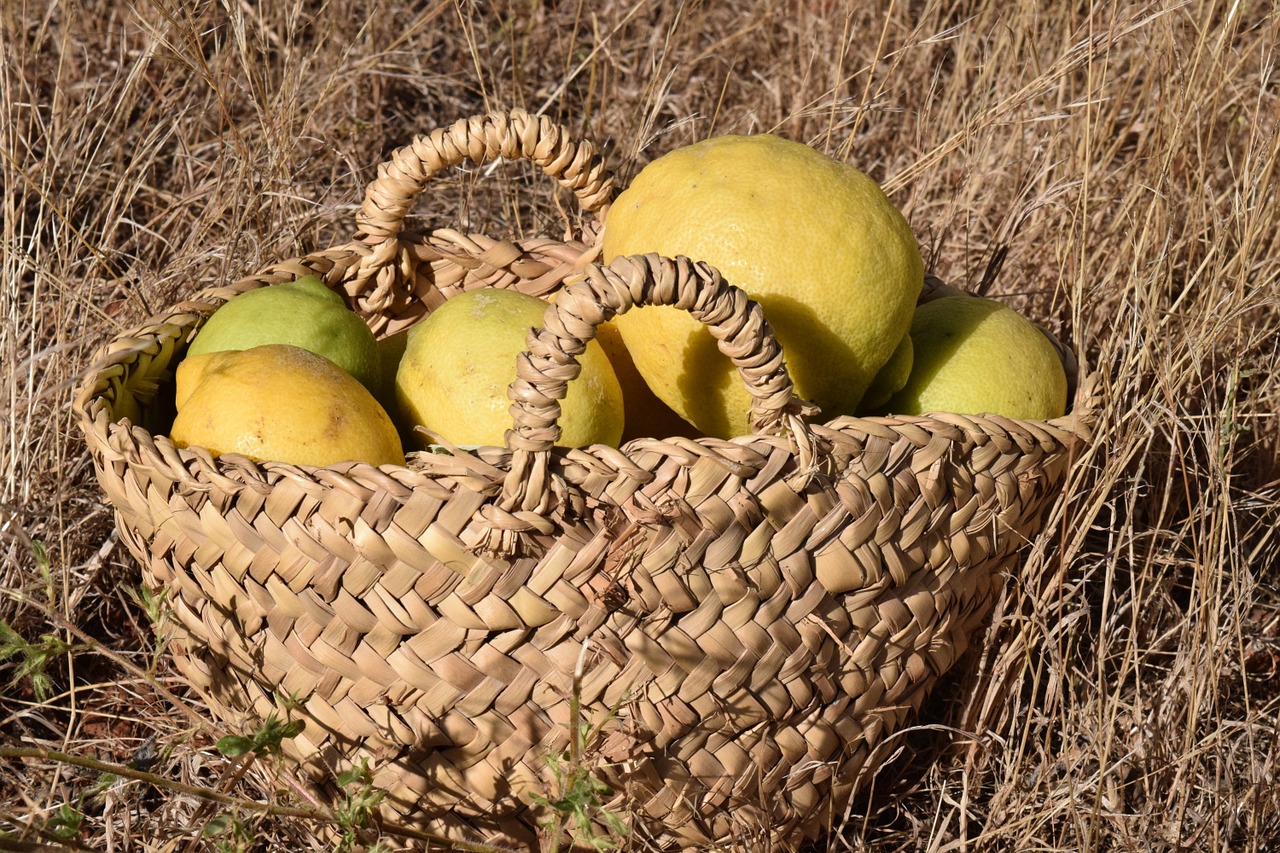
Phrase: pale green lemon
(979, 356)
(459, 361)
(390, 351)
(891, 377)
(303, 313)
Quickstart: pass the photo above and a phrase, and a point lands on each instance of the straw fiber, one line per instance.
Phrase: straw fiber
(744, 621)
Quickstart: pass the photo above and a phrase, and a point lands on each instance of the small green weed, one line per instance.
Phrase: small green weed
(265, 740)
(230, 834)
(579, 800)
(32, 659)
(65, 823)
(360, 803)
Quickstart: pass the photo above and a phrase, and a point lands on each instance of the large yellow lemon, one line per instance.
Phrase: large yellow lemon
(459, 361)
(304, 313)
(978, 356)
(280, 403)
(814, 240)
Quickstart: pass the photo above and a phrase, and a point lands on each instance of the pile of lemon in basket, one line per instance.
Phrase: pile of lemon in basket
(289, 373)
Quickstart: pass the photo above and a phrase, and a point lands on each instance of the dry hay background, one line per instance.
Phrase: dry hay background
(1108, 169)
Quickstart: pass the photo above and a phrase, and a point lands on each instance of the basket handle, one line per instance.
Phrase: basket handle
(529, 493)
(513, 135)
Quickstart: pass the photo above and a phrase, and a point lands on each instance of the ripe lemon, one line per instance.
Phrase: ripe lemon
(458, 362)
(304, 313)
(976, 356)
(281, 403)
(813, 240)
(646, 416)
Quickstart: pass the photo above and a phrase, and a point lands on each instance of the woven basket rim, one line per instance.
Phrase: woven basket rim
(150, 332)
(371, 266)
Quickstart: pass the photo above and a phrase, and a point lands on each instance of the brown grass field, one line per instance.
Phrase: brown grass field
(1109, 169)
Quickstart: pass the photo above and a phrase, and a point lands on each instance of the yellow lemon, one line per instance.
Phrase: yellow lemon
(646, 416)
(280, 403)
(978, 356)
(813, 240)
(304, 313)
(459, 361)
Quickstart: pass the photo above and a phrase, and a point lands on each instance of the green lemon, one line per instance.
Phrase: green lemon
(891, 377)
(979, 356)
(303, 313)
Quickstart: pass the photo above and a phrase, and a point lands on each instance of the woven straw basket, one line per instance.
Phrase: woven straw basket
(744, 621)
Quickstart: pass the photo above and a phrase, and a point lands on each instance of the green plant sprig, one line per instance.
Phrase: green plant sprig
(579, 799)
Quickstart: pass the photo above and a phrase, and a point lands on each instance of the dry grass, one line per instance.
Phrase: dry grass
(1111, 170)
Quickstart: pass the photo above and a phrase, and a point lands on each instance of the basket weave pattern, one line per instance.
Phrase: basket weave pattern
(757, 614)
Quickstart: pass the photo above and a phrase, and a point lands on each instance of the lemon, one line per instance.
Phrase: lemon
(304, 313)
(390, 351)
(813, 240)
(976, 356)
(891, 377)
(280, 403)
(459, 361)
(645, 415)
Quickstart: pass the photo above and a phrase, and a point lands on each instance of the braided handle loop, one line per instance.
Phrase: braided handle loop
(514, 135)
(551, 363)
